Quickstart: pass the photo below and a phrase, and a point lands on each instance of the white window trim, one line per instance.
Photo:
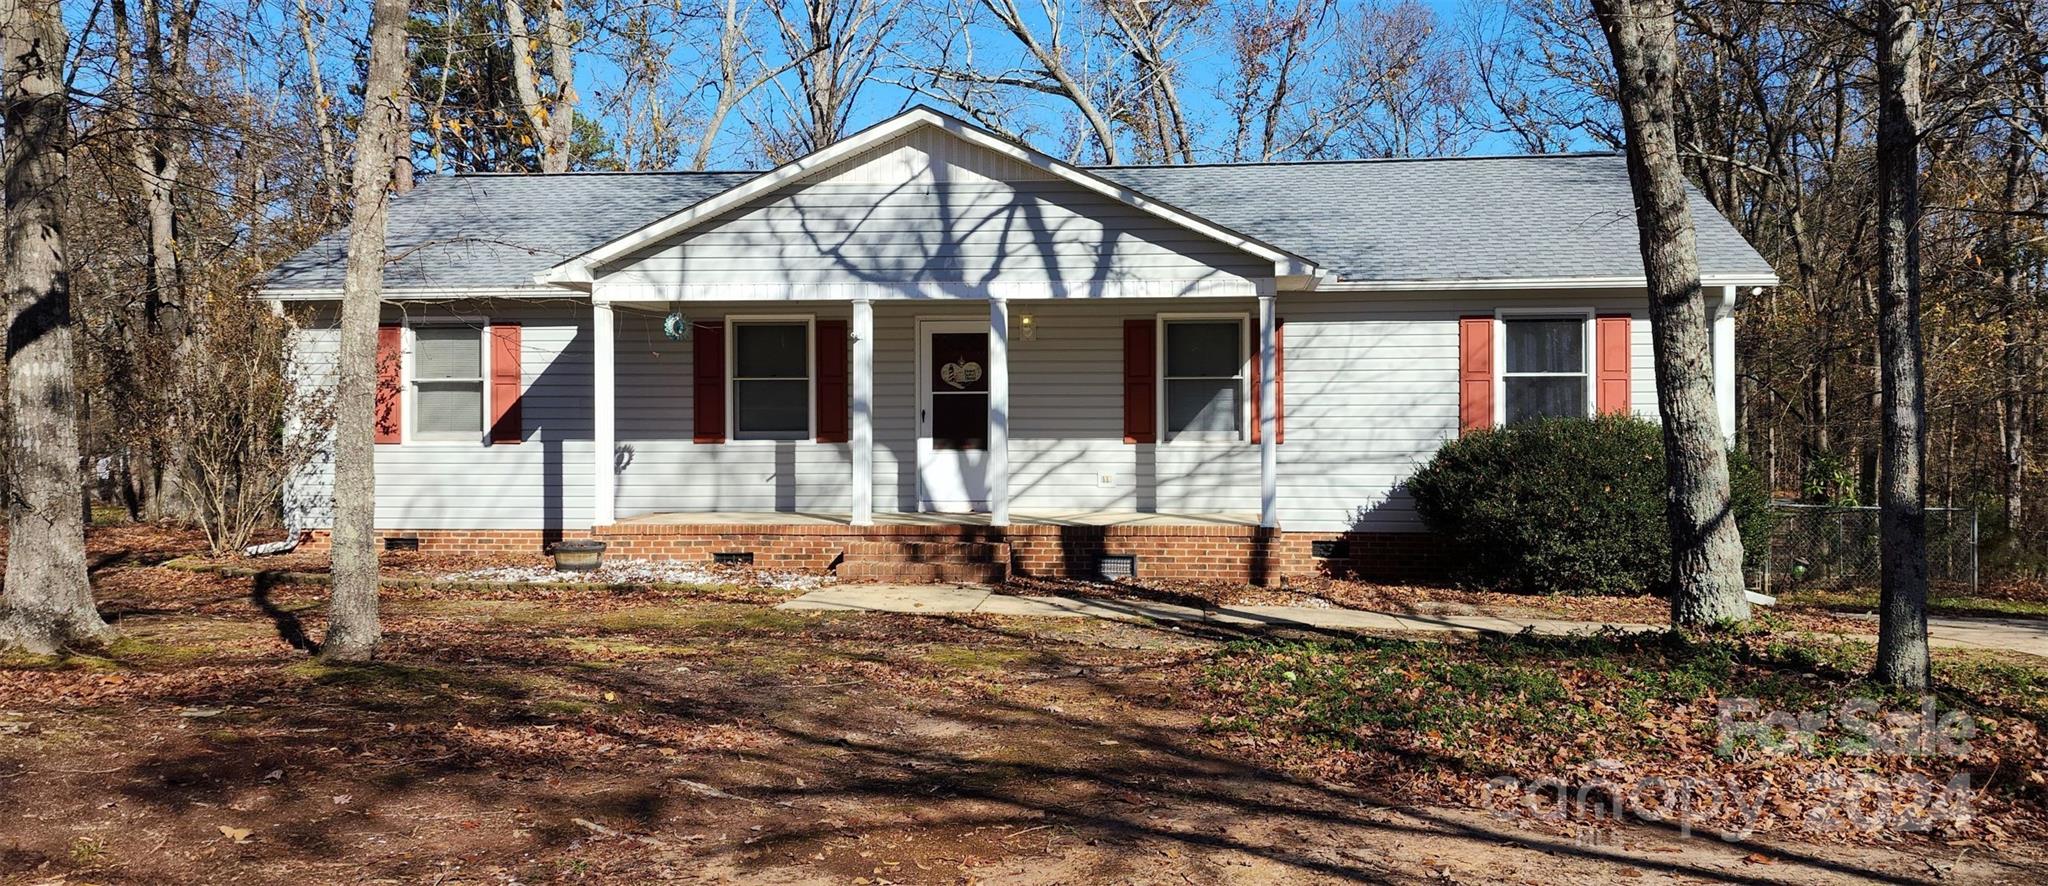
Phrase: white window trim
(1247, 351)
(732, 357)
(1588, 349)
(410, 402)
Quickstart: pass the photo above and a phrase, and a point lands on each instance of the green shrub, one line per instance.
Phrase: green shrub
(1572, 506)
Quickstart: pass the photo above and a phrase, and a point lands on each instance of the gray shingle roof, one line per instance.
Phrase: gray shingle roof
(1479, 218)
(1368, 220)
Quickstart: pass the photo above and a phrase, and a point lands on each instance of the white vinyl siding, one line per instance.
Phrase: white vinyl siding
(1370, 384)
(1371, 391)
(542, 482)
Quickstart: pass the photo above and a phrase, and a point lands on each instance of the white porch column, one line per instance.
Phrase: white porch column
(1724, 362)
(862, 433)
(1269, 423)
(998, 412)
(603, 482)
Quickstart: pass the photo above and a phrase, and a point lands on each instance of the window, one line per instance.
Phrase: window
(1204, 379)
(1546, 374)
(771, 380)
(447, 382)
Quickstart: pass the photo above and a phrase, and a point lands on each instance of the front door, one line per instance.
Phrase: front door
(952, 416)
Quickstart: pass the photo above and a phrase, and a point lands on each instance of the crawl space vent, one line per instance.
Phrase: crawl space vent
(1117, 567)
(733, 558)
(402, 543)
(1329, 549)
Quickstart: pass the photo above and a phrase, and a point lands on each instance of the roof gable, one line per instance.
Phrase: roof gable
(1017, 162)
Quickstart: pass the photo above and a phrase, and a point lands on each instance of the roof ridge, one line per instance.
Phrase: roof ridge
(1569, 155)
(590, 172)
(1447, 158)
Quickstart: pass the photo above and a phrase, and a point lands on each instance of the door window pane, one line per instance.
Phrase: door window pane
(771, 385)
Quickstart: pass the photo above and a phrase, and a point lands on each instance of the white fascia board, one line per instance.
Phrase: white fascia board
(450, 293)
(1711, 281)
(580, 268)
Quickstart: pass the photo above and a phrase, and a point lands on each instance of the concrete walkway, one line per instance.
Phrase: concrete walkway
(2012, 634)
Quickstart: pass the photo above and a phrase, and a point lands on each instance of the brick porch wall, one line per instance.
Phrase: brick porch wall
(1216, 553)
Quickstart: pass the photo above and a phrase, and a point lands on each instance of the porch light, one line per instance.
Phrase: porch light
(1027, 327)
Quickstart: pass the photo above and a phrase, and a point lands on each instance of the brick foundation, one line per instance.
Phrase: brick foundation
(1215, 553)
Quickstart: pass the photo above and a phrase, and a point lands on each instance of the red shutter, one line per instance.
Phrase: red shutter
(1279, 385)
(1141, 380)
(1612, 357)
(506, 426)
(832, 388)
(707, 377)
(390, 383)
(1475, 373)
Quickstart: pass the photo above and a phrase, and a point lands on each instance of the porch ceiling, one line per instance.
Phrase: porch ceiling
(1025, 518)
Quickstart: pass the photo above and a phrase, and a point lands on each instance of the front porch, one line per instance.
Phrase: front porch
(1021, 412)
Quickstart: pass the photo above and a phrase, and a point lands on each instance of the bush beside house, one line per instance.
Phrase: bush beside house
(1572, 506)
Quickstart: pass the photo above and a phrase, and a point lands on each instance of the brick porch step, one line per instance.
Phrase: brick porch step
(960, 561)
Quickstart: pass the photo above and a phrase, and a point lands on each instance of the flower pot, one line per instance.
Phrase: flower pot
(578, 555)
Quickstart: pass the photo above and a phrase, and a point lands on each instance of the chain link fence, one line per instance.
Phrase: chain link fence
(1829, 547)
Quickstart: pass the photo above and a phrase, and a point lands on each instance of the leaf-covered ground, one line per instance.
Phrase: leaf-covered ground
(567, 734)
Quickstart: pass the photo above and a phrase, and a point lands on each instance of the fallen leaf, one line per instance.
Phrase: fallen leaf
(239, 835)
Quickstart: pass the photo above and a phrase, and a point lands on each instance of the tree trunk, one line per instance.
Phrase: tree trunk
(353, 630)
(46, 603)
(552, 117)
(1902, 658)
(1706, 548)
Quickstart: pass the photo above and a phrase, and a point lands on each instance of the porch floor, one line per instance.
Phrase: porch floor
(1017, 518)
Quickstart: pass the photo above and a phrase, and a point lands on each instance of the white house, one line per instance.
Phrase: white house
(931, 351)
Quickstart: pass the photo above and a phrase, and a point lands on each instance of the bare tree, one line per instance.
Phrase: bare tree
(835, 45)
(1706, 548)
(353, 629)
(1402, 88)
(1056, 74)
(1149, 34)
(553, 115)
(330, 156)
(738, 75)
(1271, 96)
(46, 603)
(1902, 656)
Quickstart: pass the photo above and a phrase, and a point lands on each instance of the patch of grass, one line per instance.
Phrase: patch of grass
(88, 851)
(1517, 700)
(1937, 603)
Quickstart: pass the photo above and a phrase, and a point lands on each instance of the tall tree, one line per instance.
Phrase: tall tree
(840, 44)
(353, 630)
(1902, 657)
(47, 601)
(550, 111)
(1706, 547)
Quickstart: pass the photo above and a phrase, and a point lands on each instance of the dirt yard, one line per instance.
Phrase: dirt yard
(604, 736)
